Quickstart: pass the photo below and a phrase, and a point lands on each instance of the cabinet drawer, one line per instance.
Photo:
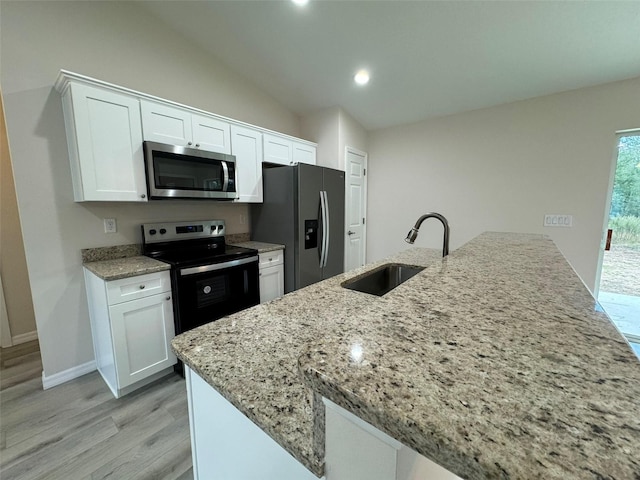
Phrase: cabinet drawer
(140, 286)
(269, 259)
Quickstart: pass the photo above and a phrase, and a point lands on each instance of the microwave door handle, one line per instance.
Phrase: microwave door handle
(326, 229)
(225, 172)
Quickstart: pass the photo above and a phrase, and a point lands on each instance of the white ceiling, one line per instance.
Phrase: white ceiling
(426, 58)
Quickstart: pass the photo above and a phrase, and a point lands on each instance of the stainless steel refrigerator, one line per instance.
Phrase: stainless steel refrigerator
(303, 209)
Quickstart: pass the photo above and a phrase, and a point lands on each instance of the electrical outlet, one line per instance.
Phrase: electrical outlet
(554, 220)
(110, 225)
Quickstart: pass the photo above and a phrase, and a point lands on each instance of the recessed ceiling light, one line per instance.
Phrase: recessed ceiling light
(300, 2)
(361, 77)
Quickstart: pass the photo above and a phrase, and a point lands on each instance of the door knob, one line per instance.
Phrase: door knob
(351, 233)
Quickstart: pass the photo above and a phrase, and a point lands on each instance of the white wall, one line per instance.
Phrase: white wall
(502, 169)
(333, 129)
(323, 128)
(352, 134)
(13, 263)
(112, 41)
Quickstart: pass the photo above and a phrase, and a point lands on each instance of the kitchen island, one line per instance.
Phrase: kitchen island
(494, 362)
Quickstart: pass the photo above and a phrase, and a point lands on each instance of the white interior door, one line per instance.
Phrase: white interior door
(356, 207)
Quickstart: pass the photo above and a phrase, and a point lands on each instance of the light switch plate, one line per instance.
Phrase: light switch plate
(556, 220)
(110, 225)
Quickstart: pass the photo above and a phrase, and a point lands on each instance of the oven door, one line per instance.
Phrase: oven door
(210, 292)
(180, 172)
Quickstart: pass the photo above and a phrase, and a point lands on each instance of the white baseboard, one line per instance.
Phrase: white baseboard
(24, 337)
(66, 375)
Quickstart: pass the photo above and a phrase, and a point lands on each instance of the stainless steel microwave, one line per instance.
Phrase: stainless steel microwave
(180, 172)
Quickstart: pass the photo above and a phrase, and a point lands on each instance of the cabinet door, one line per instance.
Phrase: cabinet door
(142, 331)
(246, 145)
(303, 153)
(210, 134)
(271, 283)
(277, 150)
(166, 124)
(104, 134)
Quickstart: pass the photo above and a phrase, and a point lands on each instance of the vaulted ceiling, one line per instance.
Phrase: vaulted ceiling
(426, 58)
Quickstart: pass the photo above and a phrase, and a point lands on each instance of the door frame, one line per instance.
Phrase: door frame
(609, 198)
(5, 329)
(365, 155)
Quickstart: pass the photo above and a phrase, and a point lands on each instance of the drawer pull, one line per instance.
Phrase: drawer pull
(271, 259)
(168, 298)
(142, 287)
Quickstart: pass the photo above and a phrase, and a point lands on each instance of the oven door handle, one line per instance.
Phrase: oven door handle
(216, 266)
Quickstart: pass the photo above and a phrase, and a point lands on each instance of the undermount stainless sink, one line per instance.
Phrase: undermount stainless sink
(383, 279)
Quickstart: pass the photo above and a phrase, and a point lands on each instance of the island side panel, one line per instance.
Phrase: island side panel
(225, 444)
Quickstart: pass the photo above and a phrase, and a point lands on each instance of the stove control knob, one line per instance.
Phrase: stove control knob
(163, 231)
(152, 231)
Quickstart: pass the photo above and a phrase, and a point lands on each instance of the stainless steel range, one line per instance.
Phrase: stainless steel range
(209, 278)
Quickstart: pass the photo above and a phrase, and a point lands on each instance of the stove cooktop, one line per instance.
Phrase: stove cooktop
(198, 256)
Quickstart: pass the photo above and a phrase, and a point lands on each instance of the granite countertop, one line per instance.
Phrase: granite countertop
(123, 261)
(117, 268)
(262, 247)
(493, 362)
(120, 261)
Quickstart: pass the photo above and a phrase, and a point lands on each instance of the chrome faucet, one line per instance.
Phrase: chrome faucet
(413, 233)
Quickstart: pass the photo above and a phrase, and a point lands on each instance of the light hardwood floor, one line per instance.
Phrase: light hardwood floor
(19, 364)
(79, 431)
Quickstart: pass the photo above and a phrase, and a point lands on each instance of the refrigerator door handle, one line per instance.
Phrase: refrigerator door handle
(323, 219)
(326, 229)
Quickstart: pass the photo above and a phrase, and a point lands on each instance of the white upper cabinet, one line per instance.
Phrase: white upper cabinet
(284, 151)
(246, 145)
(106, 125)
(277, 150)
(176, 126)
(104, 136)
(211, 134)
(303, 153)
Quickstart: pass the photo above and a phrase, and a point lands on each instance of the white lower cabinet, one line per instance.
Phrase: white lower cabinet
(356, 450)
(225, 444)
(271, 271)
(132, 328)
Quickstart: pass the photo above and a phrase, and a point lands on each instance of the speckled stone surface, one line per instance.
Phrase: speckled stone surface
(126, 267)
(262, 247)
(493, 362)
(237, 237)
(110, 253)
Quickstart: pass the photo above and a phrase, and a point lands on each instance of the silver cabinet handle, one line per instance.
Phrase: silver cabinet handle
(142, 287)
(351, 233)
(189, 143)
(143, 196)
(197, 145)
